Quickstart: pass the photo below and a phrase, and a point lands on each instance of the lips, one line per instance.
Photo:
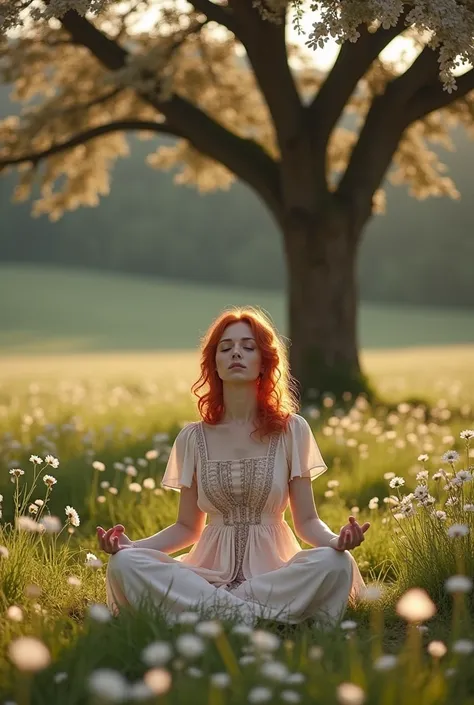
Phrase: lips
(237, 365)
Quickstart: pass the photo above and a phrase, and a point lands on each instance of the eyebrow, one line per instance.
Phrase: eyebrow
(225, 340)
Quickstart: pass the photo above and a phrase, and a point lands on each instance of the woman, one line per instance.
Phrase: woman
(240, 465)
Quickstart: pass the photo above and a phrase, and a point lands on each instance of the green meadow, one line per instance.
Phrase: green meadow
(96, 371)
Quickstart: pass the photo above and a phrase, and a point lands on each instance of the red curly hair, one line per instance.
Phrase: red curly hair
(277, 390)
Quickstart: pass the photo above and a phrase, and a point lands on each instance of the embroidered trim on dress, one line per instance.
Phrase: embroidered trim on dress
(256, 481)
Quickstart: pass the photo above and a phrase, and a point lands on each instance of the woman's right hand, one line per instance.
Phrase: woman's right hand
(114, 539)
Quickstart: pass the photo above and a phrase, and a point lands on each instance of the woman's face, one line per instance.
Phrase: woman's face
(237, 345)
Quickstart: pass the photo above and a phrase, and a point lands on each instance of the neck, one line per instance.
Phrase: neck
(240, 403)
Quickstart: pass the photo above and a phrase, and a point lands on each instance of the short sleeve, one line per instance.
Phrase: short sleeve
(182, 461)
(304, 456)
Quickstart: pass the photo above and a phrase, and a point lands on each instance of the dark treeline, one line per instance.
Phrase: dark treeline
(419, 252)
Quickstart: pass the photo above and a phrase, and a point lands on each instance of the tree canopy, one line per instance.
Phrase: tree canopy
(86, 81)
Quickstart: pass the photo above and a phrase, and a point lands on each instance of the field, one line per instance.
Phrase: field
(56, 311)
(112, 409)
(85, 384)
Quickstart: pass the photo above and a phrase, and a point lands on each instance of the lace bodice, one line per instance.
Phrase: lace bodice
(244, 500)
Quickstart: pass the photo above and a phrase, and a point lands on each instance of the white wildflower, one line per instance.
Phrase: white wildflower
(451, 501)
(51, 460)
(350, 694)
(451, 456)
(210, 629)
(422, 475)
(158, 680)
(29, 654)
(98, 465)
(72, 516)
(247, 660)
(260, 694)
(468, 507)
(4, 552)
(437, 649)
(49, 480)
(24, 523)
(99, 613)
(458, 583)
(374, 503)
(438, 476)
(157, 653)
(15, 613)
(52, 524)
(464, 475)
(457, 530)
(385, 662)
(33, 509)
(423, 458)
(463, 647)
(397, 482)
(416, 606)
(467, 434)
(190, 645)
(188, 618)
(264, 641)
(315, 652)
(35, 459)
(420, 492)
(149, 483)
(17, 472)
(109, 685)
(348, 625)
(135, 487)
(220, 680)
(274, 670)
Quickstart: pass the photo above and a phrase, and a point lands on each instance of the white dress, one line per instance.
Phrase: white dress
(247, 560)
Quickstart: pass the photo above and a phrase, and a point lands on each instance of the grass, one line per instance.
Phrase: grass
(115, 408)
(66, 311)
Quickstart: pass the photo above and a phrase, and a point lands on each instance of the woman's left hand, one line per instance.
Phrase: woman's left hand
(351, 535)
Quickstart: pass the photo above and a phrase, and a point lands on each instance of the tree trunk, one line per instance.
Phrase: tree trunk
(322, 303)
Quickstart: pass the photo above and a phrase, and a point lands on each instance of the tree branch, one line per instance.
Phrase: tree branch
(244, 157)
(407, 98)
(433, 97)
(265, 44)
(352, 63)
(82, 137)
(217, 13)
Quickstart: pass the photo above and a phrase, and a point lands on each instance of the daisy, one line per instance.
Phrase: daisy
(396, 482)
(51, 460)
(49, 480)
(17, 472)
(451, 456)
(35, 459)
(458, 530)
(72, 515)
(467, 434)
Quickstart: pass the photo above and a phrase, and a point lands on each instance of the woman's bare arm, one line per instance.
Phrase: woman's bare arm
(308, 526)
(187, 529)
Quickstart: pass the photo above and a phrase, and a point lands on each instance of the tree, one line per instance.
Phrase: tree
(219, 78)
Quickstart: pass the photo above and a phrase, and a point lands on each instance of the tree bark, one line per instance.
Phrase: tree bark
(322, 304)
